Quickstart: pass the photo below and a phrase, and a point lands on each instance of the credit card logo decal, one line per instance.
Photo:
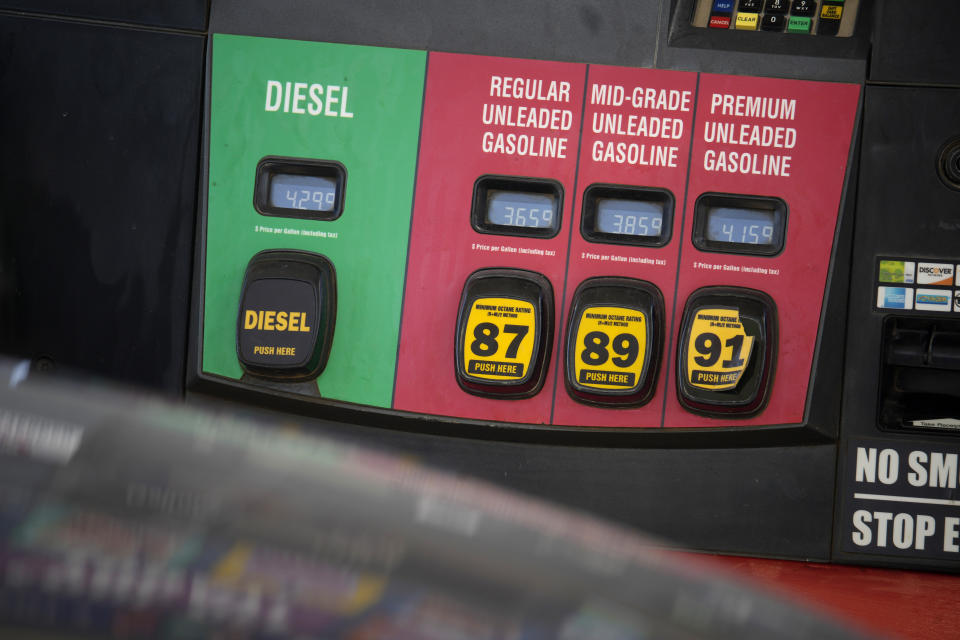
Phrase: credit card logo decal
(935, 273)
(932, 300)
(896, 271)
(894, 298)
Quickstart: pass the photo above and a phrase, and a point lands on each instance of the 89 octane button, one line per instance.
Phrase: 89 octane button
(504, 329)
(614, 341)
(286, 317)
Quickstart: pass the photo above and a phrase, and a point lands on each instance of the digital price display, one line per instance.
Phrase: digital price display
(510, 206)
(300, 188)
(739, 224)
(745, 226)
(313, 193)
(617, 214)
(629, 217)
(513, 209)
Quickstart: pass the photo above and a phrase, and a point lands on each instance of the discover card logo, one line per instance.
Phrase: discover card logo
(935, 273)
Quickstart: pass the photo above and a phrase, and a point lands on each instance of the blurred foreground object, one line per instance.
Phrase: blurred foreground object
(125, 516)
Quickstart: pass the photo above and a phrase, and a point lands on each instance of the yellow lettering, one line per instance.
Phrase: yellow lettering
(303, 322)
(268, 320)
(249, 319)
(281, 321)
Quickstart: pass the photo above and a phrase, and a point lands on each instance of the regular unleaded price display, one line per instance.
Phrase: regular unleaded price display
(718, 350)
(513, 209)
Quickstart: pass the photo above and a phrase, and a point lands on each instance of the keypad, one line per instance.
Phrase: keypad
(821, 17)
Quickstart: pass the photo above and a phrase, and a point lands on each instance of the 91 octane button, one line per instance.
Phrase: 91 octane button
(718, 350)
(499, 338)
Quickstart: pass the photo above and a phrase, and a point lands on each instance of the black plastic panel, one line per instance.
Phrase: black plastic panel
(904, 34)
(905, 210)
(608, 31)
(176, 14)
(98, 167)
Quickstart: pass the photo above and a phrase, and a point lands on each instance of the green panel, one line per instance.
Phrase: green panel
(367, 244)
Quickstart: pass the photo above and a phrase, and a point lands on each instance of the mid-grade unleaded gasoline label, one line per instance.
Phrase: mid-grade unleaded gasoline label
(611, 348)
(718, 350)
(499, 339)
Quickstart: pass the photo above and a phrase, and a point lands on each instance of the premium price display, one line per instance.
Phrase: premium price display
(729, 223)
(744, 226)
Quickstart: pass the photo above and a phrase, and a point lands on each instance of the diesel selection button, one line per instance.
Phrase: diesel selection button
(287, 313)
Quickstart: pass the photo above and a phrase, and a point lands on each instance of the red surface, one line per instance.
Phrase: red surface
(623, 260)
(444, 247)
(824, 117)
(883, 602)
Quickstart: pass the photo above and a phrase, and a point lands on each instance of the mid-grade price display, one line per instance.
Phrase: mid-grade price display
(308, 193)
(629, 217)
(517, 209)
(744, 226)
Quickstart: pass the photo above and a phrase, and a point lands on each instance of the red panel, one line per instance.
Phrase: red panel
(885, 602)
(444, 249)
(822, 116)
(672, 126)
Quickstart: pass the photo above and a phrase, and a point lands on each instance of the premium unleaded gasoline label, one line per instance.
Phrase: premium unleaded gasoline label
(718, 350)
(499, 339)
(611, 348)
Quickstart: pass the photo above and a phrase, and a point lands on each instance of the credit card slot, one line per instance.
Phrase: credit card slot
(920, 385)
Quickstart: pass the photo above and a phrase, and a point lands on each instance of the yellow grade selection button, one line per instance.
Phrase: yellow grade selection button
(718, 350)
(499, 340)
(611, 347)
(747, 21)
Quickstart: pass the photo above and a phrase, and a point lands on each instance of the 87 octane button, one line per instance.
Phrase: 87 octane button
(286, 317)
(504, 330)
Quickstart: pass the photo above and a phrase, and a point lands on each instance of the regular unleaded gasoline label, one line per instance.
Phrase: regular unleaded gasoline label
(611, 348)
(718, 350)
(499, 339)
